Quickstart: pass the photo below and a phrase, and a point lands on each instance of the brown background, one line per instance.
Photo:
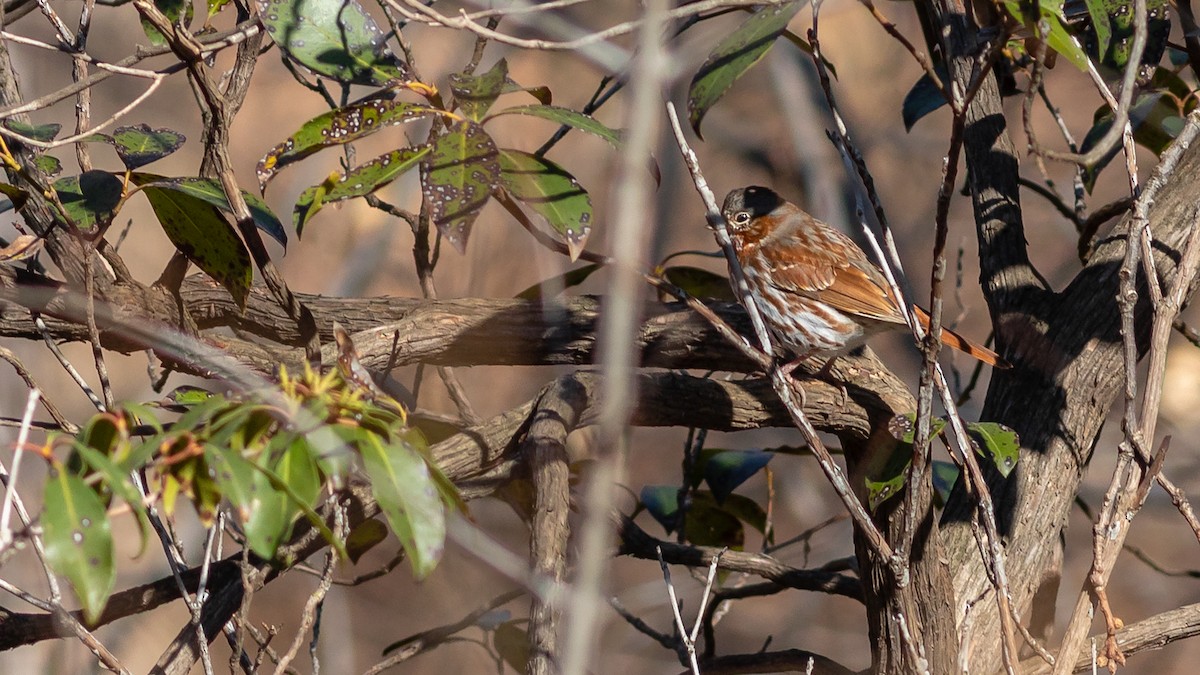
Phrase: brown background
(769, 130)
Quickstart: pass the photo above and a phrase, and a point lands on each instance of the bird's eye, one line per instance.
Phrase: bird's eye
(741, 218)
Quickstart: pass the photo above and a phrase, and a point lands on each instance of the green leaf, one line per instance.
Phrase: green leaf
(1155, 117)
(210, 191)
(511, 642)
(215, 7)
(90, 197)
(726, 470)
(552, 192)
(996, 442)
(48, 164)
(559, 283)
(734, 55)
(1108, 35)
(885, 482)
(475, 94)
(924, 97)
(337, 127)
(368, 535)
(699, 283)
(568, 117)
(200, 232)
(1057, 37)
(334, 38)
(707, 523)
(903, 427)
(457, 178)
(235, 476)
(78, 537)
(542, 94)
(945, 475)
(401, 483)
(42, 133)
(272, 508)
(173, 10)
(140, 145)
(360, 181)
(117, 480)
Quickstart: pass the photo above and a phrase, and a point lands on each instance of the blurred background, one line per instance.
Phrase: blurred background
(769, 130)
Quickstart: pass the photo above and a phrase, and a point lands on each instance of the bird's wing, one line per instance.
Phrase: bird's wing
(807, 265)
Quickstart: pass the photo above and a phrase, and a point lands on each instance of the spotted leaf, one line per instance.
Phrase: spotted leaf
(78, 536)
(734, 55)
(140, 145)
(200, 232)
(209, 190)
(475, 94)
(359, 181)
(335, 128)
(552, 192)
(334, 38)
(997, 442)
(457, 178)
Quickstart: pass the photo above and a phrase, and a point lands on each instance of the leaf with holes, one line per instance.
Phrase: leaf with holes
(996, 442)
(559, 283)
(335, 128)
(334, 38)
(552, 192)
(571, 118)
(401, 483)
(475, 94)
(89, 198)
(140, 145)
(209, 190)
(358, 182)
(903, 427)
(457, 178)
(734, 55)
(78, 538)
(200, 232)
(178, 11)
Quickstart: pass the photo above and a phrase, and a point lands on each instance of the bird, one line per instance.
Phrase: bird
(815, 288)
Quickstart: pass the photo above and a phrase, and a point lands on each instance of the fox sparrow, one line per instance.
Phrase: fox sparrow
(815, 288)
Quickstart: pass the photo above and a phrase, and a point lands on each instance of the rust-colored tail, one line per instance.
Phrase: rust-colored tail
(952, 339)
